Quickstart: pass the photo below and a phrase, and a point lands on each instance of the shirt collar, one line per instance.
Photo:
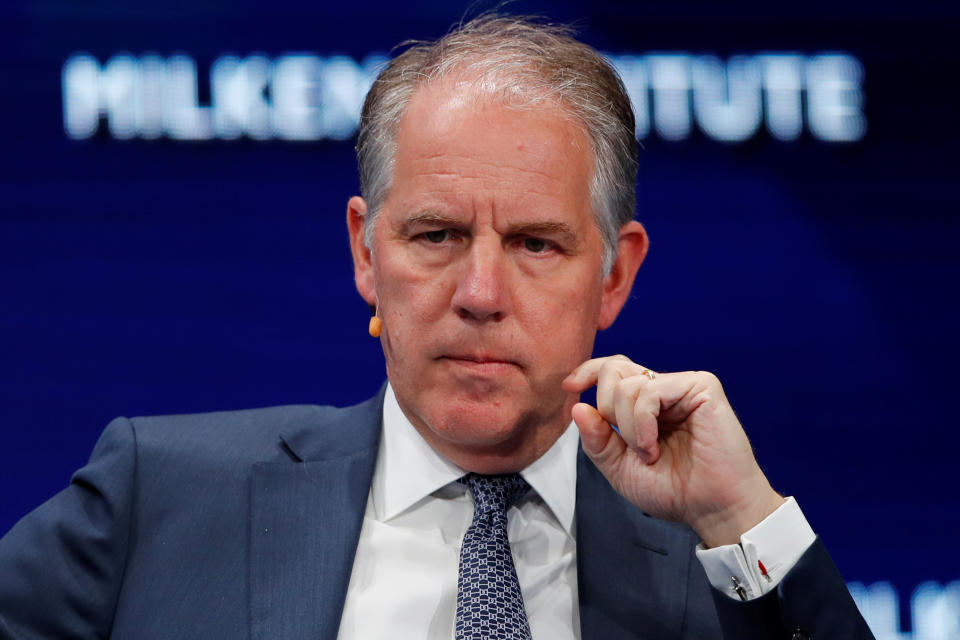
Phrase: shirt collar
(409, 470)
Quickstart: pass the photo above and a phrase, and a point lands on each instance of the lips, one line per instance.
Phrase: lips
(479, 358)
(481, 362)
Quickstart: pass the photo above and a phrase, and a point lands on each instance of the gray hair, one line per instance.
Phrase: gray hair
(525, 62)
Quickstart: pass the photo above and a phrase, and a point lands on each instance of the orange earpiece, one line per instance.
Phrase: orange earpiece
(376, 324)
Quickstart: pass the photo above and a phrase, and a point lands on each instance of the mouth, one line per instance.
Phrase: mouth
(481, 363)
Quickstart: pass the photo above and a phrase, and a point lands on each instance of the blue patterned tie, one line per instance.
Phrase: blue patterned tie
(489, 603)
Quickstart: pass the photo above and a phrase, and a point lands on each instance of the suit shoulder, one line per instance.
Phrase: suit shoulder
(249, 435)
(236, 422)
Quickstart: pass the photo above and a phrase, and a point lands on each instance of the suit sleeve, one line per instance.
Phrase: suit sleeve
(811, 602)
(62, 565)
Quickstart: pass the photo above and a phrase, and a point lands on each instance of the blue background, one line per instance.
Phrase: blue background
(817, 280)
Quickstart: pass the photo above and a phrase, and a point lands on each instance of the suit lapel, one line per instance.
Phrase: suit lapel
(631, 568)
(306, 514)
(307, 511)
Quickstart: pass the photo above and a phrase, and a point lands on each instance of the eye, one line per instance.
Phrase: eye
(437, 236)
(535, 245)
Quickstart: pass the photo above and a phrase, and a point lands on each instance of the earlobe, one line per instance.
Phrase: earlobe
(362, 257)
(632, 248)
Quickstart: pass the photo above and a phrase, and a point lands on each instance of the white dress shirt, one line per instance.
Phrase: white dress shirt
(404, 578)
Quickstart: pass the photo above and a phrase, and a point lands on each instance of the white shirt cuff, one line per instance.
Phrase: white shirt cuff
(777, 542)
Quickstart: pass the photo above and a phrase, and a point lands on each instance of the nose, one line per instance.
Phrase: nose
(482, 292)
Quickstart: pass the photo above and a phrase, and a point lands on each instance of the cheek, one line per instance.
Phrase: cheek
(562, 321)
(565, 296)
(420, 299)
(410, 303)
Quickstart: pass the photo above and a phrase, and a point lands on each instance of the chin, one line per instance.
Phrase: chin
(479, 423)
(501, 434)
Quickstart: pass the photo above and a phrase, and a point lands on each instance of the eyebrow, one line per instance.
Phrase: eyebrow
(430, 217)
(547, 228)
(555, 229)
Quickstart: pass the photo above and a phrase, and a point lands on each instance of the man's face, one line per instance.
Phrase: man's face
(486, 266)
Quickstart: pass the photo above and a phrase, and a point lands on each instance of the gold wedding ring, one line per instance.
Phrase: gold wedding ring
(649, 374)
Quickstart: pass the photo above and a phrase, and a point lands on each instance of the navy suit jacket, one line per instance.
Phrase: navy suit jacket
(245, 525)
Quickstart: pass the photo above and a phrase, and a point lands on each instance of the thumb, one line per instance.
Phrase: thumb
(600, 442)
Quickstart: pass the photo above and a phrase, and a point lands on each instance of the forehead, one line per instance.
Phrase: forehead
(456, 141)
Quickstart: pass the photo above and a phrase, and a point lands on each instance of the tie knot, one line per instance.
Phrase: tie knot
(495, 493)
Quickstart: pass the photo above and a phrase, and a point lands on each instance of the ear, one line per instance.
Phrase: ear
(362, 258)
(632, 248)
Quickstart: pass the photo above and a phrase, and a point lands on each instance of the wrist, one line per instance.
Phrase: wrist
(727, 525)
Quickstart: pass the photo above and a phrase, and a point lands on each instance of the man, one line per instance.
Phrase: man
(494, 238)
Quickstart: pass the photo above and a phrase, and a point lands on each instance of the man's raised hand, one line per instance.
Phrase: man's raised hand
(681, 453)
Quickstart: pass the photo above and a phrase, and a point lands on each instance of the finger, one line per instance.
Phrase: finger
(637, 408)
(608, 378)
(685, 392)
(601, 443)
(585, 375)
